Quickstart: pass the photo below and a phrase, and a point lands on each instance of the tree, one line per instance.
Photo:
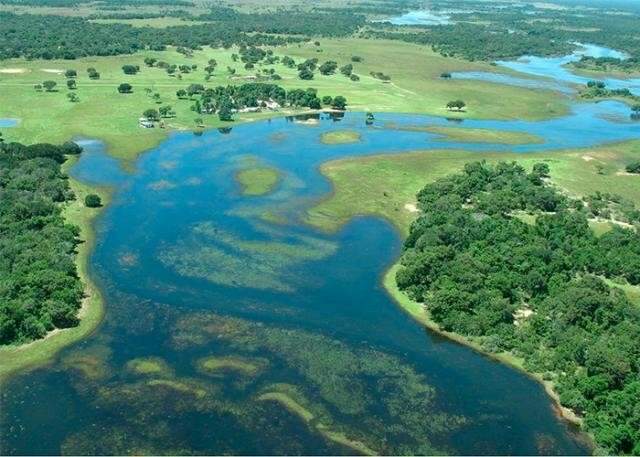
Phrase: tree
(125, 88)
(354, 77)
(73, 97)
(37, 87)
(93, 73)
(339, 103)
(194, 89)
(633, 167)
(156, 97)
(151, 114)
(347, 69)
(49, 85)
(92, 201)
(327, 100)
(305, 73)
(130, 69)
(445, 75)
(224, 112)
(199, 122)
(328, 68)
(150, 61)
(71, 84)
(456, 104)
(165, 111)
(356, 59)
(181, 93)
(71, 73)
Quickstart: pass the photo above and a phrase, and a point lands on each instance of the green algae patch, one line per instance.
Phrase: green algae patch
(90, 363)
(149, 366)
(216, 366)
(218, 255)
(340, 137)
(258, 181)
(378, 391)
(290, 398)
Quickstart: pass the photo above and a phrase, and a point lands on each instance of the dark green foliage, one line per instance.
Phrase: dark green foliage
(305, 74)
(534, 289)
(339, 102)
(633, 167)
(130, 69)
(49, 85)
(125, 88)
(328, 68)
(92, 201)
(39, 285)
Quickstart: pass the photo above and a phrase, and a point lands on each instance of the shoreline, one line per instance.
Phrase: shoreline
(37, 353)
(417, 312)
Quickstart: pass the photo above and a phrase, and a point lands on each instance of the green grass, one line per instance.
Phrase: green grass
(258, 181)
(383, 185)
(213, 365)
(28, 356)
(340, 137)
(104, 114)
(466, 135)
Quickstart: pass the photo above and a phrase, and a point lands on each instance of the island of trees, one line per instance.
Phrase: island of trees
(39, 286)
(502, 257)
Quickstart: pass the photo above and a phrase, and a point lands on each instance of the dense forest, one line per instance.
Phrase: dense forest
(500, 255)
(39, 285)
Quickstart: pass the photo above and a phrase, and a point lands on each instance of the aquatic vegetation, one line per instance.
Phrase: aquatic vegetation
(290, 397)
(258, 181)
(219, 365)
(340, 137)
(162, 184)
(149, 366)
(90, 363)
(217, 255)
(384, 395)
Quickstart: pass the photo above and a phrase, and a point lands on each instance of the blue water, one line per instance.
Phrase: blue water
(191, 268)
(6, 123)
(555, 75)
(420, 17)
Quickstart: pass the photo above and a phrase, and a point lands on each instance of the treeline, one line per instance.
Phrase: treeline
(39, 285)
(101, 3)
(475, 42)
(339, 23)
(608, 64)
(62, 37)
(541, 285)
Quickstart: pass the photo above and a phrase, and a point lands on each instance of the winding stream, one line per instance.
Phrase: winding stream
(231, 327)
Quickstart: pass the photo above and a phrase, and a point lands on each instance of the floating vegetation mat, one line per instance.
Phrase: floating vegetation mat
(226, 259)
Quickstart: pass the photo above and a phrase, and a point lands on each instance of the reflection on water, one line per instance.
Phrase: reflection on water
(231, 327)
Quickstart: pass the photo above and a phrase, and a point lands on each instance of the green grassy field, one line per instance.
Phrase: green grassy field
(105, 114)
(18, 358)
(466, 135)
(258, 181)
(386, 185)
(340, 137)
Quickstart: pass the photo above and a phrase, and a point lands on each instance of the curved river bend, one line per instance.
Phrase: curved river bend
(231, 331)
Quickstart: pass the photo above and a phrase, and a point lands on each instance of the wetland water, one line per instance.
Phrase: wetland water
(231, 327)
(553, 71)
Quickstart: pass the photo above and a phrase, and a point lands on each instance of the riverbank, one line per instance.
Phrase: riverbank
(419, 313)
(14, 359)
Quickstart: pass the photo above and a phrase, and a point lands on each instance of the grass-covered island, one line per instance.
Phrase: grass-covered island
(47, 300)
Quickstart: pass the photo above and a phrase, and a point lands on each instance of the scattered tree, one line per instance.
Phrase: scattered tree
(92, 201)
(339, 103)
(71, 84)
(151, 114)
(71, 73)
(458, 105)
(125, 88)
(130, 69)
(49, 85)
